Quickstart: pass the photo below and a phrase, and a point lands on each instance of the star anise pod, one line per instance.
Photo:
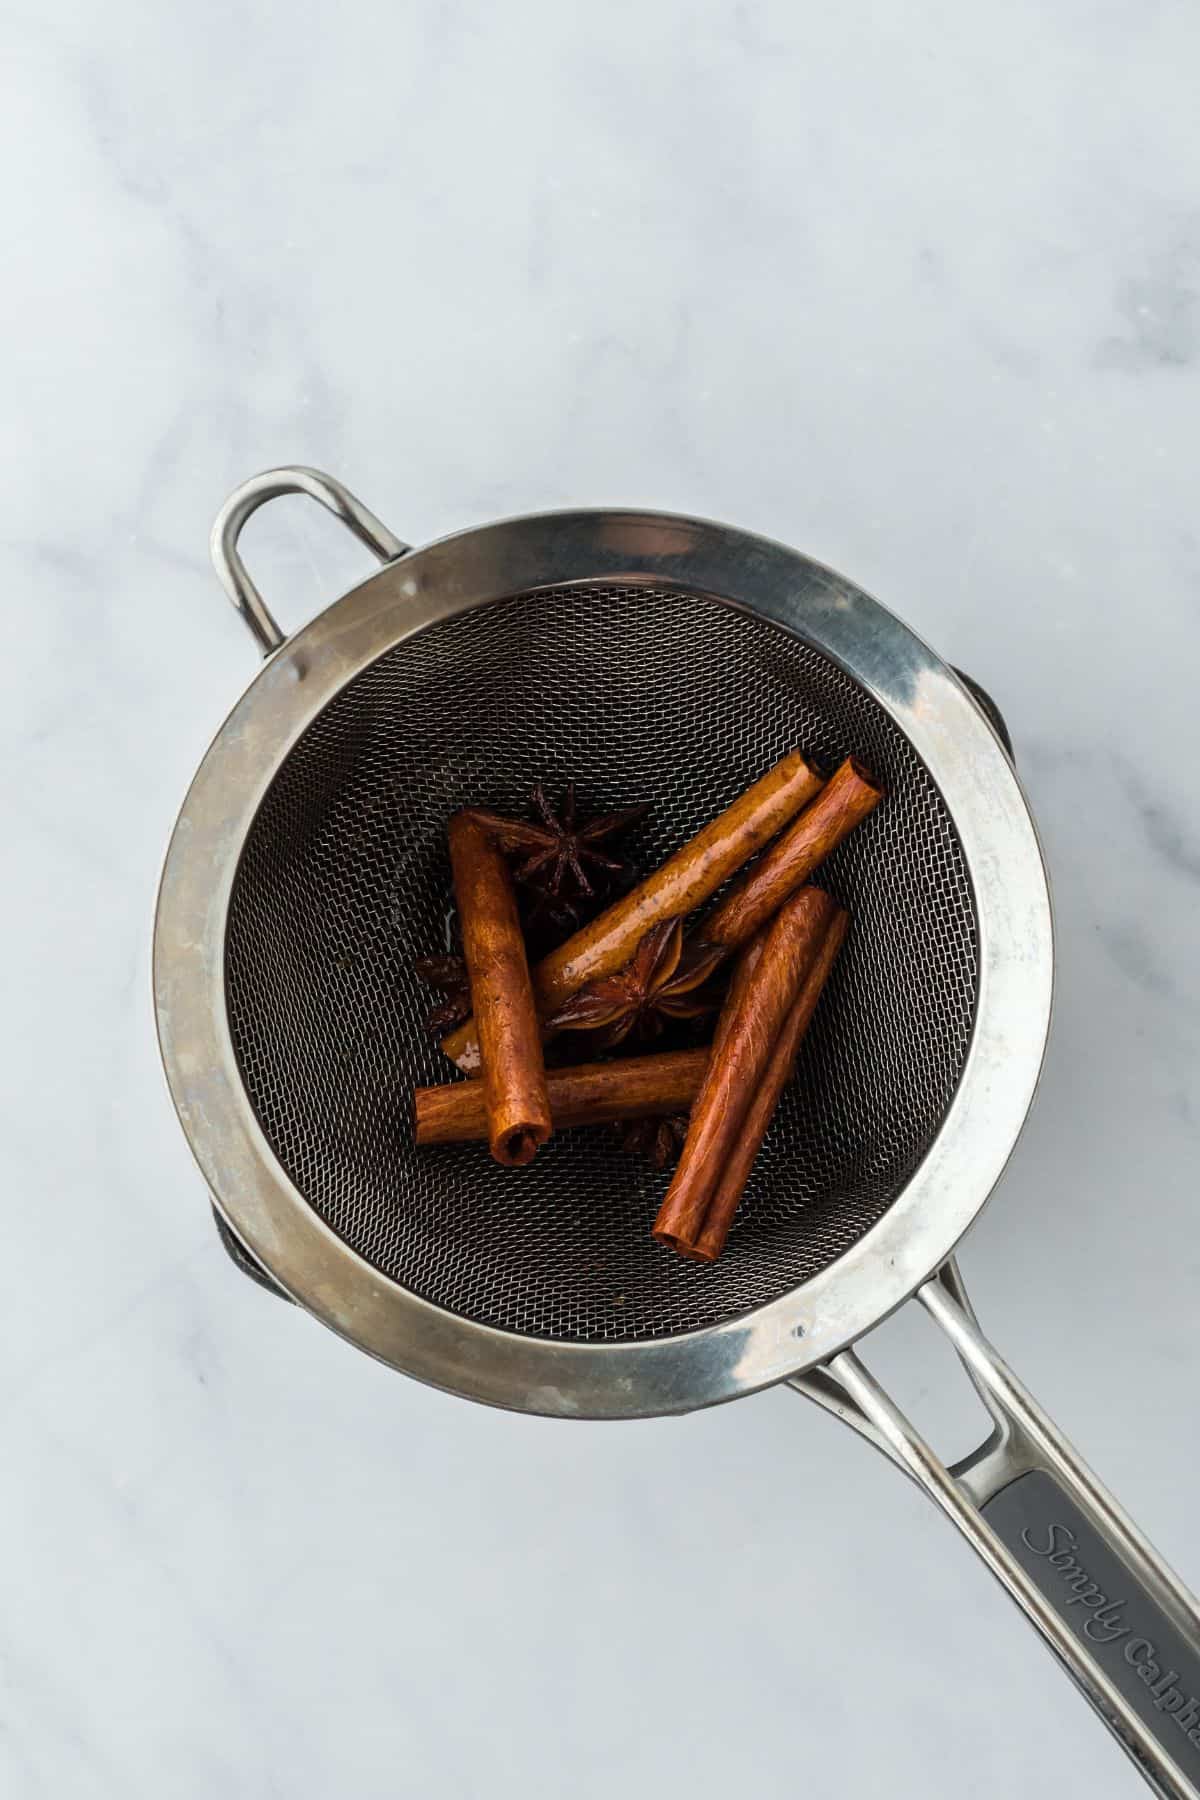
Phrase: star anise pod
(697, 955)
(547, 916)
(553, 849)
(658, 1140)
(448, 974)
(650, 989)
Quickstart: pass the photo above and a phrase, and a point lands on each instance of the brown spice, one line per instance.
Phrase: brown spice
(686, 880)
(658, 1140)
(633, 1087)
(448, 974)
(729, 1190)
(750, 1023)
(850, 794)
(650, 989)
(552, 850)
(514, 1075)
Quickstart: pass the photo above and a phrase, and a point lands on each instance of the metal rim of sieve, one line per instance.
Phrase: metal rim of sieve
(962, 755)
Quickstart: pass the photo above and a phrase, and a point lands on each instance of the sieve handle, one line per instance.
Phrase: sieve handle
(1117, 1618)
(272, 485)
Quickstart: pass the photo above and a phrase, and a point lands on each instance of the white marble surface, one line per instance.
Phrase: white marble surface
(915, 287)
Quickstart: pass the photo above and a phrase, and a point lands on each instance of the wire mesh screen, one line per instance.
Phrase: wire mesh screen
(637, 695)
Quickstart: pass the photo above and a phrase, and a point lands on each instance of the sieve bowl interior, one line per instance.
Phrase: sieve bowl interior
(637, 694)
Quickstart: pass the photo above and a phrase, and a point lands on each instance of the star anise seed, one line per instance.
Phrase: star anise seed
(553, 849)
(650, 989)
(448, 975)
(658, 1140)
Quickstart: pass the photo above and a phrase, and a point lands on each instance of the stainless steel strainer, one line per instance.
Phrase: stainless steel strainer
(671, 659)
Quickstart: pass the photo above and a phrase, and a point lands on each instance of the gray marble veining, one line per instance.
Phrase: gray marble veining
(916, 288)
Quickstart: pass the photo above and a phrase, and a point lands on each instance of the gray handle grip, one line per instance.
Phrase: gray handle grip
(1118, 1624)
(1119, 1621)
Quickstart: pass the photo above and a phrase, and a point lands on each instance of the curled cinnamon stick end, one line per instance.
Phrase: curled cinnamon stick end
(750, 1023)
(515, 1098)
(637, 1087)
(729, 1190)
(850, 794)
(685, 881)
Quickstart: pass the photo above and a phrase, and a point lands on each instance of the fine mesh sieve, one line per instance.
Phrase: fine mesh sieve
(671, 660)
(343, 884)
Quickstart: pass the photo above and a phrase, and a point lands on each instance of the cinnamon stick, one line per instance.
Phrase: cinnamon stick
(515, 1099)
(779, 1070)
(750, 1023)
(637, 1087)
(686, 880)
(743, 969)
(850, 794)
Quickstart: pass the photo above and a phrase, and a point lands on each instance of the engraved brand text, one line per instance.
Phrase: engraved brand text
(1103, 1621)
